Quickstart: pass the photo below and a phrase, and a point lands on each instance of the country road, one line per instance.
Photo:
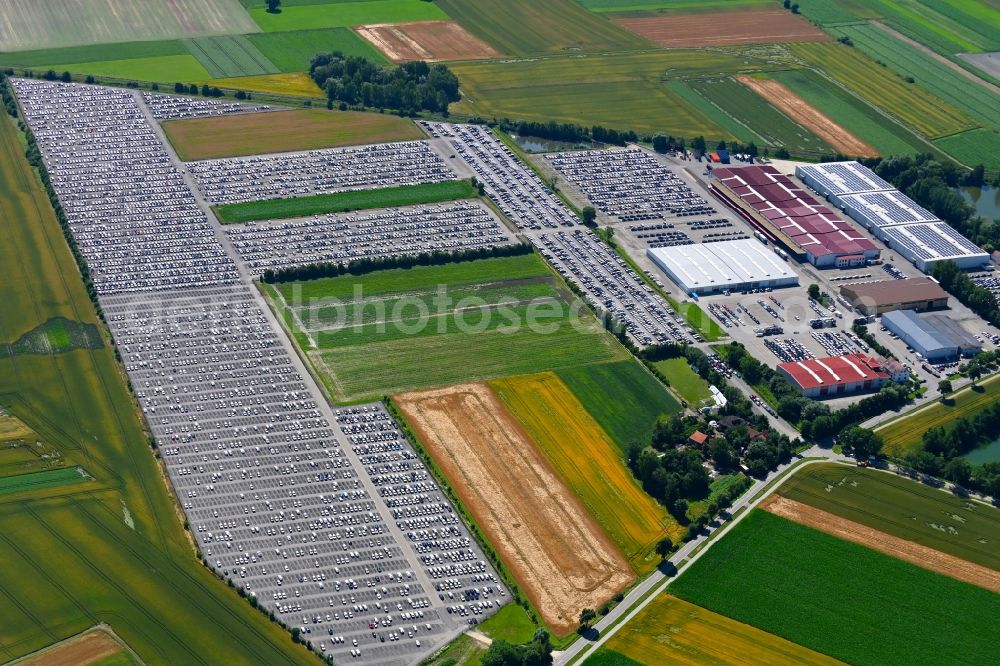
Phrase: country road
(658, 581)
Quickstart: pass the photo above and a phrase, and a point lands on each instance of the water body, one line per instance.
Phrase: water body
(986, 200)
(985, 454)
(533, 144)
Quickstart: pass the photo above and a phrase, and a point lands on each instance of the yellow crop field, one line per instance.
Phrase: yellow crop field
(590, 463)
(298, 84)
(672, 631)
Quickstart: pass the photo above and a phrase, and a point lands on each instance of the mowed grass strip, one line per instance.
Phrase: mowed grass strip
(903, 508)
(553, 26)
(40, 480)
(590, 463)
(623, 397)
(292, 51)
(345, 14)
(623, 91)
(839, 598)
(880, 86)
(673, 631)
(283, 131)
(386, 197)
(79, 54)
(905, 433)
(684, 380)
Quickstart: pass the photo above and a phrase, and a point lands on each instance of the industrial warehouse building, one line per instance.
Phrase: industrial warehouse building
(875, 298)
(724, 266)
(783, 210)
(891, 216)
(935, 337)
(835, 376)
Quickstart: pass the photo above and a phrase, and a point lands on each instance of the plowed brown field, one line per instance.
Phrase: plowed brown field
(721, 28)
(908, 551)
(808, 116)
(87, 648)
(555, 550)
(431, 41)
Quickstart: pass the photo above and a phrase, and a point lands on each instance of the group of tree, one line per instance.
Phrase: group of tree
(958, 284)
(192, 89)
(409, 88)
(536, 652)
(861, 330)
(369, 265)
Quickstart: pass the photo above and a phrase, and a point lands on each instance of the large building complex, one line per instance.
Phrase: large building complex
(875, 298)
(891, 216)
(836, 375)
(725, 266)
(935, 337)
(775, 204)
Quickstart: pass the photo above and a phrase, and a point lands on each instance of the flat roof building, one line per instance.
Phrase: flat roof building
(835, 376)
(893, 218)
(875, 298)
(773, 202)
(724, 266)
(935, 337)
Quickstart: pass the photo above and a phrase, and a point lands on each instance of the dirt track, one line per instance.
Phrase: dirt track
(722, 28)
(79, 651)
(430, 41)
(558, 554)
(908, 551)
(809, 116)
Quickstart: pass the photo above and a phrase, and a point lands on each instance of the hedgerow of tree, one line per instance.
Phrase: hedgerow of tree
(408, 88)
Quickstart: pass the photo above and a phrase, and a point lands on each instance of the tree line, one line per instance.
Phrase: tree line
(408, 88)
(369, 265)
(958, 284)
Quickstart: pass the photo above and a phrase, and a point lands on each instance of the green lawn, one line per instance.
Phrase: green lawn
(292, 51)
(623, 397)
(684, 380)
(399, 350)
(841, 599)
(852, 113)
(903, 508)
(157, 68)
(511, 623)
(719, 485)
(389, 197)
(345, 14)
(979, 146)
(755, 112)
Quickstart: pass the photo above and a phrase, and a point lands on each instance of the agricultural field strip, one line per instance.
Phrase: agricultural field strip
(230, 56)
(908, 551)
(345, 237)
(557, 552)
(238, 390)
(287, 175)
(766, 26)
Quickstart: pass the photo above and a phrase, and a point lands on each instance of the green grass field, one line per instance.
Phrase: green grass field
(79, 54)
(70, 559)
(903, 508)
(839, 598)
(904, 434)
(157, 68)
(511, 623)
(553, 26)
(666, 6)
(946, 26)
(292, 51)
(684, 380)
(752, 110)
(30, 24)
(979, 146)
(855, 115)
(684, 90)
(345, 14)
(939, 79)
(885, 89)
(623, 91)
(623, 397)
(230, 56)
(397, 350)
(388, 197)
(52, 478)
